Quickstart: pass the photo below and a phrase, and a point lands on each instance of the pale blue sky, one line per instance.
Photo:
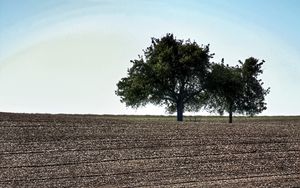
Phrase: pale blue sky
(66, 56)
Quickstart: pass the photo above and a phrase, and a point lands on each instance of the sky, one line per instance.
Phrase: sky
(66, 56)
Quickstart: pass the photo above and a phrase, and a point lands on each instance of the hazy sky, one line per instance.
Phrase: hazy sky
(66, 56)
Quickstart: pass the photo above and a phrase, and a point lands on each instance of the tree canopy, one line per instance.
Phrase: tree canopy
(171, 72)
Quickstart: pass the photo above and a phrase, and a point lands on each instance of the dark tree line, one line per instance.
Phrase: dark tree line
(179, 75)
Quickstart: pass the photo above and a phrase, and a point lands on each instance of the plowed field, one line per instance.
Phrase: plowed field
(99, 151)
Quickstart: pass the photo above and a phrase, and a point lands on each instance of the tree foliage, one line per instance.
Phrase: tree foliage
(254, 93)
(171, 72)
(179, 75)
(237, 89)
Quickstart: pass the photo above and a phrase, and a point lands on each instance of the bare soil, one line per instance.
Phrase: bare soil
(101, 151)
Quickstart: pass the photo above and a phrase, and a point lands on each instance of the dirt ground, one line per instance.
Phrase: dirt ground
(100, 151)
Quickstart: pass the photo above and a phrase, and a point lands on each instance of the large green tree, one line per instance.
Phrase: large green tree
(236, 89)
(171, 72)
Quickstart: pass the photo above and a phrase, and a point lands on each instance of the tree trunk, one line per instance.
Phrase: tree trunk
(180, 108)
(230, 114)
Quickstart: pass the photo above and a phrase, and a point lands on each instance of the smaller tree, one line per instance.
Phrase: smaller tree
(225, 89)
(253, 100)
(236, 89)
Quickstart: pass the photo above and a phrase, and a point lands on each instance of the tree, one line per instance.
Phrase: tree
(225, 89)
(172, 72)
(253, 101)
(237, 89)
